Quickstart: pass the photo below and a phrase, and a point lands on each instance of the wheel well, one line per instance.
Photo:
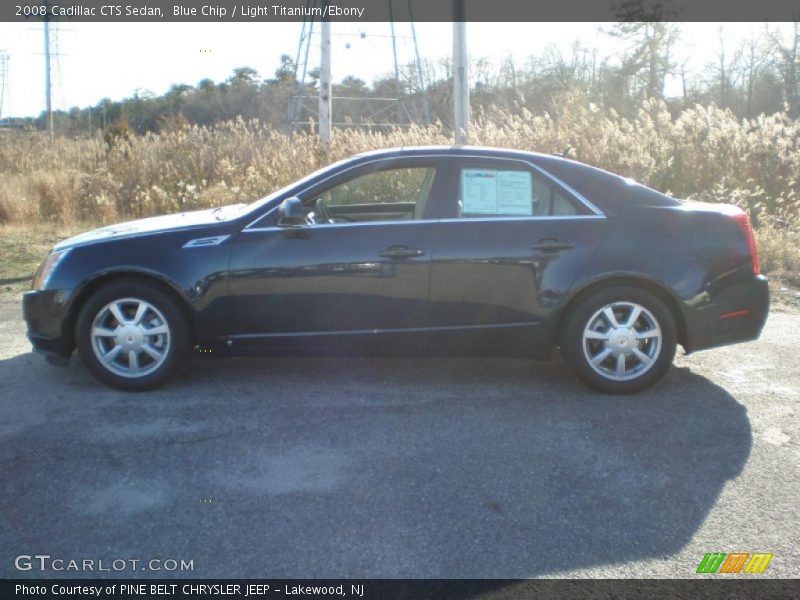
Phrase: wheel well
(657, 290)
(96, 284)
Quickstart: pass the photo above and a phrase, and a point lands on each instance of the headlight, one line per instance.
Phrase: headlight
(47, 268)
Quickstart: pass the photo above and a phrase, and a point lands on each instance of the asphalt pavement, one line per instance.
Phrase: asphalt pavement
(383, 468)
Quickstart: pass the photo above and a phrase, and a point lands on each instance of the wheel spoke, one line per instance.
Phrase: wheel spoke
(645, 360)
(610, 317)
(103, 332)
(117, 312)
(140, 312)
(620, 365)
(592, 334)
(634, 316)
(601, 357)
(109, 356)
(133, 360)
(157, 330)
(650, 333)
(152, 352)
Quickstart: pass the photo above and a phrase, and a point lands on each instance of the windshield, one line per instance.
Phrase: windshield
(253, 206)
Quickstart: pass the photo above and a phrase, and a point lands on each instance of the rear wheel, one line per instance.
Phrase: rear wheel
(132, 335)
(620, 340)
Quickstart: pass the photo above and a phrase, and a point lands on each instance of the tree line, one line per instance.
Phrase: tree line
(759, 75)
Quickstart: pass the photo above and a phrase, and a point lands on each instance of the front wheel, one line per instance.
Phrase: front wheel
(620, 340)
(132, 336)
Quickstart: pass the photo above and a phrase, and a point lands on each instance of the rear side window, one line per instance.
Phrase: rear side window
(487, 192)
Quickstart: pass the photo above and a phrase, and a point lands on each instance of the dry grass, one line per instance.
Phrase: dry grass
(779, 253)
(704, 153)
(22, 248)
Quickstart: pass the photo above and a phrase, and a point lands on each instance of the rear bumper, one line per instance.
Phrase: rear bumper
(45, 312)
(736, 315)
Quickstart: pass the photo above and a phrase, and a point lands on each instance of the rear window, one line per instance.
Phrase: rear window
(607, 191)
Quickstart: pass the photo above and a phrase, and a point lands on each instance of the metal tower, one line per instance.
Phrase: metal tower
(401, 108)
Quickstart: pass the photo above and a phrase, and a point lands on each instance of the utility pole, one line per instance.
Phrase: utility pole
(47, 82)
(325, 85)
(460, 74)
(4, 85)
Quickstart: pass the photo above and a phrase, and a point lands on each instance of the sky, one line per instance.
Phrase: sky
(113, 60)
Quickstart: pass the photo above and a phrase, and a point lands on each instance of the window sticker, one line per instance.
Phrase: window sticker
(514, 193)
(479, 191)
(486, 192)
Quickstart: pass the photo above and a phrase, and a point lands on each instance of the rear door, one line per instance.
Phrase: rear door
(511, 243)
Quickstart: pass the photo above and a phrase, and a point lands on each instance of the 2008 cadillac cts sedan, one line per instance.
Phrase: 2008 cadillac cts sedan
(412, 251)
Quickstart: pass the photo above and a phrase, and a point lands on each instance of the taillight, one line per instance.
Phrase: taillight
(743, 221)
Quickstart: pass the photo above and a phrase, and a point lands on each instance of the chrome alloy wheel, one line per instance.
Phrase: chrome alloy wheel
(622, 341)
(130, 337)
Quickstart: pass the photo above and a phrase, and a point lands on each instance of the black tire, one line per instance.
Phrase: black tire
(167, 310)
(575, 353)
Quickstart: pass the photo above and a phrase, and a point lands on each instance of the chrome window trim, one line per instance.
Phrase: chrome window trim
(568, 188)
(597, 213)
(249, 226)
(449, 220)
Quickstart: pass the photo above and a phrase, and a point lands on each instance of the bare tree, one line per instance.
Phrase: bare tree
(787, 56)
(725, 74)
(647, 57)
(755, 56)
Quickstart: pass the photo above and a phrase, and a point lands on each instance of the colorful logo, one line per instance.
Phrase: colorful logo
(735, 562)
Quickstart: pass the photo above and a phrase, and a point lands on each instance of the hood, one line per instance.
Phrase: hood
(160, 224)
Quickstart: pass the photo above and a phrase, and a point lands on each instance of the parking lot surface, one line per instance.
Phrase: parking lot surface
(448, 468)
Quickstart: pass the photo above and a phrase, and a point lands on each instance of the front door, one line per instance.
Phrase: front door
(357, 273)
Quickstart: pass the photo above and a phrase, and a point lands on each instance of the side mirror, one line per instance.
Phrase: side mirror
(291, 213)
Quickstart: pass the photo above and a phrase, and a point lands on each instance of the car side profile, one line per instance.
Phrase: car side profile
(434, 251)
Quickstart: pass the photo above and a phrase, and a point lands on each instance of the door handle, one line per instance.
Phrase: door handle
(400, 252)
(552, 245)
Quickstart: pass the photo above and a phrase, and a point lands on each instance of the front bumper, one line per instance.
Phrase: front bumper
(736, 315)
(46, 313)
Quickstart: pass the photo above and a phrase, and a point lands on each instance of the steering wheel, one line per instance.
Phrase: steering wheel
(321, 212)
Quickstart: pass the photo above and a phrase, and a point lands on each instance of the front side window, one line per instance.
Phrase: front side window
(487, 192)
(392, 194)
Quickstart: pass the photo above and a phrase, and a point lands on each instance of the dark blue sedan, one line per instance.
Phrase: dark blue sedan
(434, 251)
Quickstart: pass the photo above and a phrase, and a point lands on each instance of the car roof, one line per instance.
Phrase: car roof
(539, 158)
(449, 150)
(605, 189)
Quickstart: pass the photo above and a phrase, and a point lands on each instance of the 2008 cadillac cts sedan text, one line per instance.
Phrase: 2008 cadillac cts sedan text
(412, 251)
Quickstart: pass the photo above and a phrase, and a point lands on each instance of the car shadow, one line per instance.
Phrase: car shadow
(423, 468)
